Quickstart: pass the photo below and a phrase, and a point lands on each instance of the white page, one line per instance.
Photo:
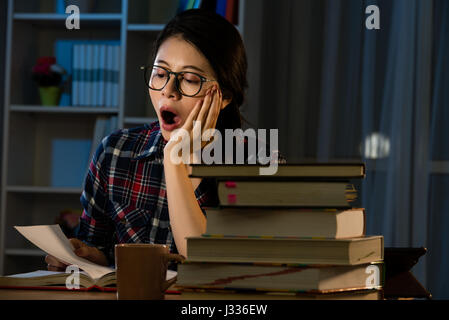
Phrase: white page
(35, 274)
(52, 240)
(42, 273)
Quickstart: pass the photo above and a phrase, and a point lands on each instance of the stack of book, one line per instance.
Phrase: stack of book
(291, 235)
(96, 70)
(93, 68)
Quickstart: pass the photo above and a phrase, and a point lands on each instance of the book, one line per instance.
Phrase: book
(89, 75)
(221, 7)
(52, 240)
(292, 171)
(220, 294)
(108, 76)
(116, 78)
(64, 56)
(82, 85)
(330, 194)
(102, 76)
(286, 222)
(95, 74)
(55, 280)
(232, 11)
(76, 76)
(278, 277)
(351, 251)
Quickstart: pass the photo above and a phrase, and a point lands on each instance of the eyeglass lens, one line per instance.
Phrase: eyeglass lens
(188, 83)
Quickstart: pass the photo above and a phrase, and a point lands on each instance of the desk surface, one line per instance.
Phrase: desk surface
(16, 294)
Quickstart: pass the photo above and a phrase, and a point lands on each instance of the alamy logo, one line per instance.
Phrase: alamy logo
(73, 20)
(73, 280)
(373, 280)
(373, 20)
(212, 152)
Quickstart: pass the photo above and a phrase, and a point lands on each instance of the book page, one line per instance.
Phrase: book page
(35, 274)
(52, 240)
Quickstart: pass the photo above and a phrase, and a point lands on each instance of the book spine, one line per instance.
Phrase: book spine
(82, 82)
(102, 73)
(221, 8)
(89, 72)
(64, 59)
(75, 75)
(95, 73)
(116, 76)
(108, 91)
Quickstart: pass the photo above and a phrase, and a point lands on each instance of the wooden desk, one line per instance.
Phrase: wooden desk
(15, 294)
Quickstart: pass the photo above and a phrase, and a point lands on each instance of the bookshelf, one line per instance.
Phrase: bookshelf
(28, 193)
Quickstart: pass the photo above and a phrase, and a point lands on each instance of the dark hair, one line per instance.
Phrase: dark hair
(220, 42)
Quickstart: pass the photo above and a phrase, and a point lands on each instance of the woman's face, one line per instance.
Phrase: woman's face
(172, 108)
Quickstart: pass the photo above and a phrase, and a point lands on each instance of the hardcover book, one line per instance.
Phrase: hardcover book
(295, 171)
(351, 251)
(278, 277)
(286, 222)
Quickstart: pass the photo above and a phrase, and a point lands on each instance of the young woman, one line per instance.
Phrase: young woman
(134, 192)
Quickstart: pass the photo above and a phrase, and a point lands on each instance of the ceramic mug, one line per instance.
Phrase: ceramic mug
(141, 270)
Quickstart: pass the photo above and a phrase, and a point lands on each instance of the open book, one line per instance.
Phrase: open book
(52, 240)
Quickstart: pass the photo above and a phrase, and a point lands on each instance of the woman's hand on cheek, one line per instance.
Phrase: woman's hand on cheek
(202, 117)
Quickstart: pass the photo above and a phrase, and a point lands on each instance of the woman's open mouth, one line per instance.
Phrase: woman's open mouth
(170, 120)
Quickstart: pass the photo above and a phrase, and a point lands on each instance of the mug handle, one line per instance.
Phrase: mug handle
(172, 257)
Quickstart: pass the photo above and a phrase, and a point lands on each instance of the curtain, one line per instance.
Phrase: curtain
(338, 91)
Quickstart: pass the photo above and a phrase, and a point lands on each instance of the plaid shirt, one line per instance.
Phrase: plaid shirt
(125, 195)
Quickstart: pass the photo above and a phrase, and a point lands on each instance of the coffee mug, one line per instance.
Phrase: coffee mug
(141, 270)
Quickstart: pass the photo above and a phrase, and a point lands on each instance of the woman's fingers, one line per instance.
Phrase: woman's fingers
(54, 264)
(87, 252)
(188, 124)
(214, 111)
(205, 109)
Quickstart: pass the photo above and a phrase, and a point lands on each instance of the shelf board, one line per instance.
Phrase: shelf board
(145, 27)
(38, 189)
(62, 109)
(62, 16)
(138, 120)
(25, 252)
(94, 19)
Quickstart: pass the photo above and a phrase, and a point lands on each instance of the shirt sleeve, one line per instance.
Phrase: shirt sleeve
(95, 227)
(206, 194)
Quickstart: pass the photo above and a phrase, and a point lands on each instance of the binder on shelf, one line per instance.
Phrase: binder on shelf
(88, 78)
(95, 75)
(116, 68)
(74, 97)
(109, 72)
(102, 76)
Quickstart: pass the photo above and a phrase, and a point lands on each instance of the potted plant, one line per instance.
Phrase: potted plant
(48, 76)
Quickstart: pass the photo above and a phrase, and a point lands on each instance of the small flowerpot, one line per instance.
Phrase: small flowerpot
(50, 95)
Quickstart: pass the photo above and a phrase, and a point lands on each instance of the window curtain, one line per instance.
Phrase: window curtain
(338, 91)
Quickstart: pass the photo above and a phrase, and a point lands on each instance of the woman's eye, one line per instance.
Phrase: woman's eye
(191, 79)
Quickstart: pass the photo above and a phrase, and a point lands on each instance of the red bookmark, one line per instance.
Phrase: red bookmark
(232, 198)
(230, 184)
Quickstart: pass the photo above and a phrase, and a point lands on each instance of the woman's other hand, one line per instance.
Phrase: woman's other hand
(82, 250)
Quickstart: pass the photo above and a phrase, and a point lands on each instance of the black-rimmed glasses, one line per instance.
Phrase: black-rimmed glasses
(187, 83)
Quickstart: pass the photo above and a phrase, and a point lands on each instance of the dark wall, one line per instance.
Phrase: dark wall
(3, 11)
